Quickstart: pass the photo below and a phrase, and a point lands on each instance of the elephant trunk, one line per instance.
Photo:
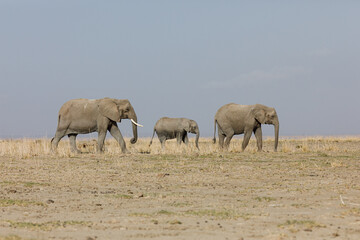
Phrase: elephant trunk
(197, 139)
(134, 127)
(276, 127)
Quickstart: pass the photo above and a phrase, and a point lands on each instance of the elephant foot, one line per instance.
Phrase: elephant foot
(77, 151)
(125, 151)
(98, 151)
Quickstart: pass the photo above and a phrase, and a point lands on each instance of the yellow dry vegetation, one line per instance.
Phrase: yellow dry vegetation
(27, 148)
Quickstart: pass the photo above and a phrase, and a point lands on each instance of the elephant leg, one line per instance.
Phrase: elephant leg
(258, 135)
(162, 140)
(179, 137)
(247, 136)
(72, 138)
(55, 141)
(185, 138)
(228, 139)
(101, 139)
(115, 132)
(221, 138)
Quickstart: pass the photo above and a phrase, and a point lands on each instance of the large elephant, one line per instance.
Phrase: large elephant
(170, 128)
(233, 119)
(81, 116)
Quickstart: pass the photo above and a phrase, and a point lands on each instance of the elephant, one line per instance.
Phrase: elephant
(81, 116)
(233, 119)
(170, 128)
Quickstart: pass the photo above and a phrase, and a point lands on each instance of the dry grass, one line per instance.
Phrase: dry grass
(307, 190)
(27, 148)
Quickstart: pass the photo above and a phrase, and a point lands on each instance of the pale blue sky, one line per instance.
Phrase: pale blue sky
(182, 59)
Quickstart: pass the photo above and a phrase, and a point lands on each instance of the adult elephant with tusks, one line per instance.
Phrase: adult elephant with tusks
(170, 128)
(233, 119)
(81, 116)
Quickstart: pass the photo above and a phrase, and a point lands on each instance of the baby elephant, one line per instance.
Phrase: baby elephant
(170, 128)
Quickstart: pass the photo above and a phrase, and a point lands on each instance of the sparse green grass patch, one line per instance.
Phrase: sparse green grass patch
(25, 184)
(180, 204)
(265, 199)
(21, 203)
(153, 214)
(300, 205)
(164, 212)
(308, 224)
(47, 226)
(217, 214)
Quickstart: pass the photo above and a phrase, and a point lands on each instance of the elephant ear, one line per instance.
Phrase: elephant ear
(187, 126)
(109, 109)
(259, 115)
(125, 107)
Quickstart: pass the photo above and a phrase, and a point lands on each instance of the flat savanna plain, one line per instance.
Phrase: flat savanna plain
(309, 189)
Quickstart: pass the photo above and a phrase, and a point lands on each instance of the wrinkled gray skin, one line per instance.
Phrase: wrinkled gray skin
(170, 128)
(80, 116)
(233, 119)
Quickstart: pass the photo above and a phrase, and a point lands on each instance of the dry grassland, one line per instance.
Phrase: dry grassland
(309, 189)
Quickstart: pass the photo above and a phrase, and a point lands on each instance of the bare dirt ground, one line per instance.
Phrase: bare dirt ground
(310, 189)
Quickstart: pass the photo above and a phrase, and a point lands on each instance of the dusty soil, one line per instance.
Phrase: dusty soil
(220, 195)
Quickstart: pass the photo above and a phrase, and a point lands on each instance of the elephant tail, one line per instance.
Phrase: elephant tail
(152, 137)
(214, 139)
(59, 118)
(56, 129)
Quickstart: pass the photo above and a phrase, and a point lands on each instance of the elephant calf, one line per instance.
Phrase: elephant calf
(170, 128)
(80, 116)
(235, 119)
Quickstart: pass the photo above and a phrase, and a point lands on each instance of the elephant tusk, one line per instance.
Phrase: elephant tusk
(136, 123)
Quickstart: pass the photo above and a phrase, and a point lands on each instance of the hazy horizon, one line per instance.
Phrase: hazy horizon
(182, 59)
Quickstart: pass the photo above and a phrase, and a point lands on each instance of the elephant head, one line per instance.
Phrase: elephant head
(267, 115)
(117, 109)
(192, 127)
